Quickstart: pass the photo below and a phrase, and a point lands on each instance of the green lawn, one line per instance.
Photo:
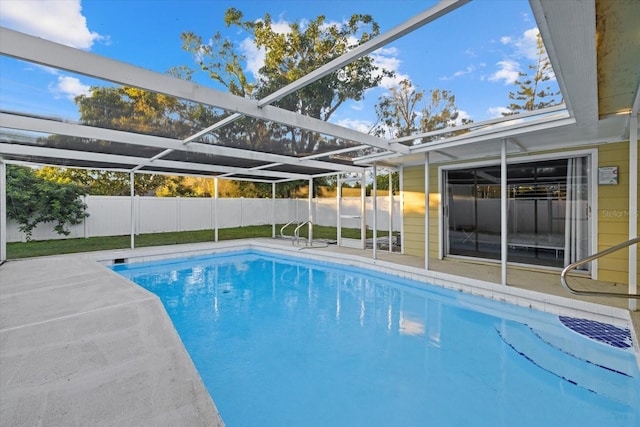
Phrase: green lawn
(66, 246)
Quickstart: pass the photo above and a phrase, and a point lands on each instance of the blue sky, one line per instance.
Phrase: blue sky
(475, 52)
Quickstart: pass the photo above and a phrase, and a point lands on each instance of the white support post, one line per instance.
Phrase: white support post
(339, 209)
(427, 184)
(3, 212)
(401, 179)
(633, 209)
(503, 211)
(310, 225)
(85, 224)
(133, 209)
(273, 210)
(363, 209)
(375, 210)
(390, 210)
(215, 209)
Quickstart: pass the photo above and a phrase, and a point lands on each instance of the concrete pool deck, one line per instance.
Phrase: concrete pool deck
(80, 345)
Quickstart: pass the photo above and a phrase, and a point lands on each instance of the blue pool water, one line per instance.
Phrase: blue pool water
(286, 342)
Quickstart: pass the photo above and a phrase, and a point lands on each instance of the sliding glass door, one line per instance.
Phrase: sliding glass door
(548, 216)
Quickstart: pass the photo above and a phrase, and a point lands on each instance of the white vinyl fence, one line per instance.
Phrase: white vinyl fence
(111, 215)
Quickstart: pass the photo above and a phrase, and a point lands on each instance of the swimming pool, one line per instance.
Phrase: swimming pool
(284, 341)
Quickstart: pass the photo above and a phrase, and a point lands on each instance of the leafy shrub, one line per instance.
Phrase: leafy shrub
(32, 200)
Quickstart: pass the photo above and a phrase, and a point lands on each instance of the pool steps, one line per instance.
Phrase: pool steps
(551, 351)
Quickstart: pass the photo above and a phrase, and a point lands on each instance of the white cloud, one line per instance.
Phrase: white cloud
(459, 73)
(462, 115)
(282, 27)
(527, 45)
(359, 125)
(508, 72)
(525, 48)
(387, 58)
(497, 112)
(56, 20)
(68, 87)
(255, 56)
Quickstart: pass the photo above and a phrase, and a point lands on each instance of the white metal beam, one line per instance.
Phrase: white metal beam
(216, 205)
(332, 153)
(483, 124)
(503, 213)
(390, 195)
(14, 121)
(375, 211)
(3, 212)
(273, 210)
(55, 153)
(494, 134)
(33, 49)
(133, 210)
(427, 223)
(633, 209)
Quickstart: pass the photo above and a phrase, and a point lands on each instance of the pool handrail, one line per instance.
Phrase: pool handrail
(593, 257)
(296, 234)
(285, 226)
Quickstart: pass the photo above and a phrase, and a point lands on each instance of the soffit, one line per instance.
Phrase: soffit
(618, 50)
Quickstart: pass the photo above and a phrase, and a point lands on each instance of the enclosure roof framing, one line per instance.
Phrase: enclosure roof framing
(166, 166)
(599, 90)
(33, 49)
(440, 9)
(35, 124)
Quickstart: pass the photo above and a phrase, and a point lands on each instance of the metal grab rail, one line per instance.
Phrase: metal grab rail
(285, 226)
(296, 233)
(600, 254)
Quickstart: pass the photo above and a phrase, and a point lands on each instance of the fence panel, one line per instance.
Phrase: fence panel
(111, 215)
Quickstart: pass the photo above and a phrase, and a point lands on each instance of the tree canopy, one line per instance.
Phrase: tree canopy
(288, 56)
(534, 91)
(405, 111)
(102, 182)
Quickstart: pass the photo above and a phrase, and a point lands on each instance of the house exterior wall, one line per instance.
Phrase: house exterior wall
(613, 213)
(612, 216)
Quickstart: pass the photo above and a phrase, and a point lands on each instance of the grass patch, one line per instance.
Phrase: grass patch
(65, 246)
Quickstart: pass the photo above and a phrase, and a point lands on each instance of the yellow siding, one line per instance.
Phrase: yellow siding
(613, 213)
(413, 211)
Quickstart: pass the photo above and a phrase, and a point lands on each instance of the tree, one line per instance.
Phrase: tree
(288, 57)
(133, 110)
(382, 183)
(102, 182)
(32, 200)
(137, 110)
(402, 112)
(531, 95)
(397, 111)
(441, 111)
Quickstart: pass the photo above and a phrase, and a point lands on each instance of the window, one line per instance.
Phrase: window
(547, 210)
